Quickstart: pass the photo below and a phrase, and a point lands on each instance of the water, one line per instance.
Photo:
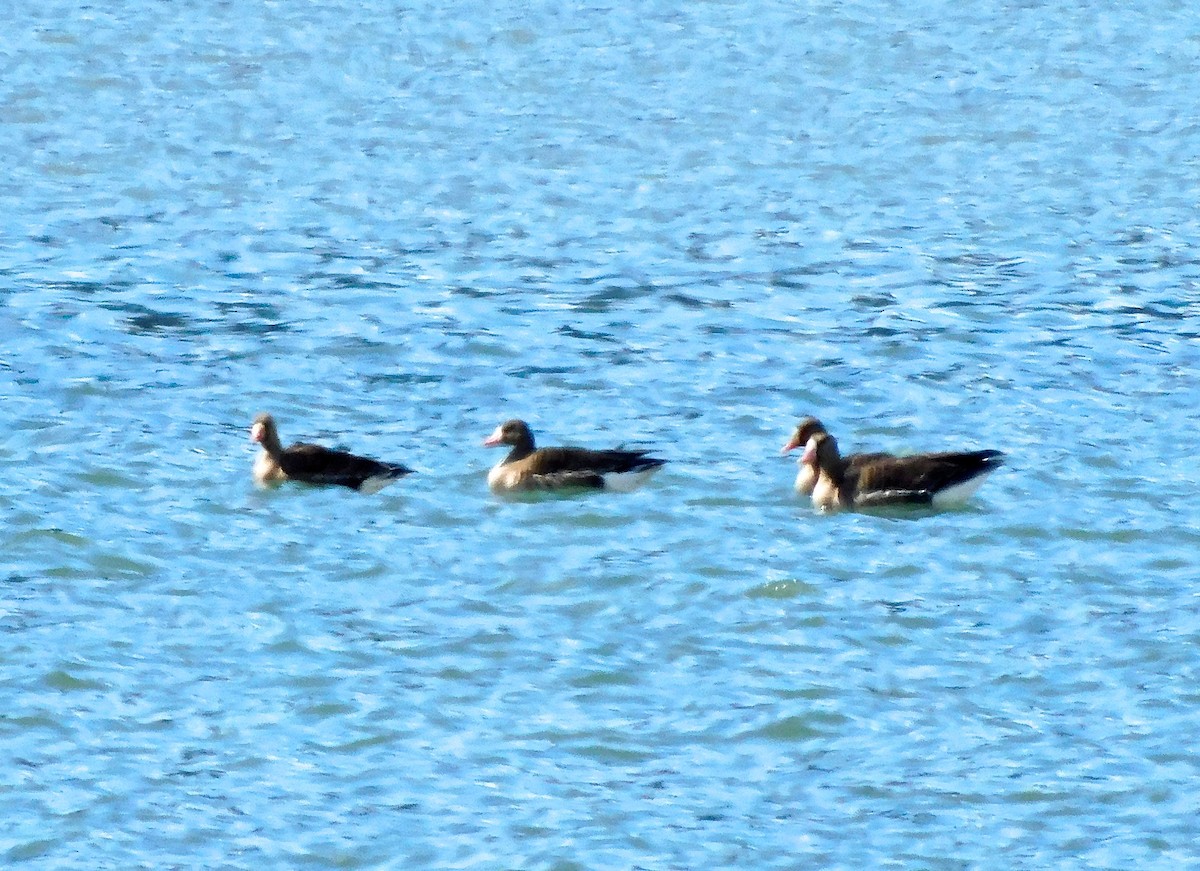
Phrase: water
(948, 225)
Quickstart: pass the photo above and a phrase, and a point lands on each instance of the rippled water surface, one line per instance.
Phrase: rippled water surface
(936, 225)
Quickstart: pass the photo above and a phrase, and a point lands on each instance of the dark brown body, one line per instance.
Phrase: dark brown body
(921, 479)
(528, 467)
(314, 464)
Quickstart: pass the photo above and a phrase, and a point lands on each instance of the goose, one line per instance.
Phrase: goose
(314, 464)
(806, 474)
(937, 479)
(530, 468)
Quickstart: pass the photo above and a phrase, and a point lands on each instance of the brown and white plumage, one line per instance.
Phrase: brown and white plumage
(530, 468)
(806, 474)
(937, 479)
(314, 464)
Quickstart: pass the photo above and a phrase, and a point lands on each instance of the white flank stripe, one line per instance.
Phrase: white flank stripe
(626, 482)
(376, 483)
(959, 493)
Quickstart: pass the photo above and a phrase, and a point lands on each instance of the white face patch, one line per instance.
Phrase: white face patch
(810, 454)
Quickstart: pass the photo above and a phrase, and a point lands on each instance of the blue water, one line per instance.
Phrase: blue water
(936, 225)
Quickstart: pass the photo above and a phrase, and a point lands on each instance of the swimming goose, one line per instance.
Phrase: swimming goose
(806, 474)
(314, 464)
(529, 468)
(922, 479)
